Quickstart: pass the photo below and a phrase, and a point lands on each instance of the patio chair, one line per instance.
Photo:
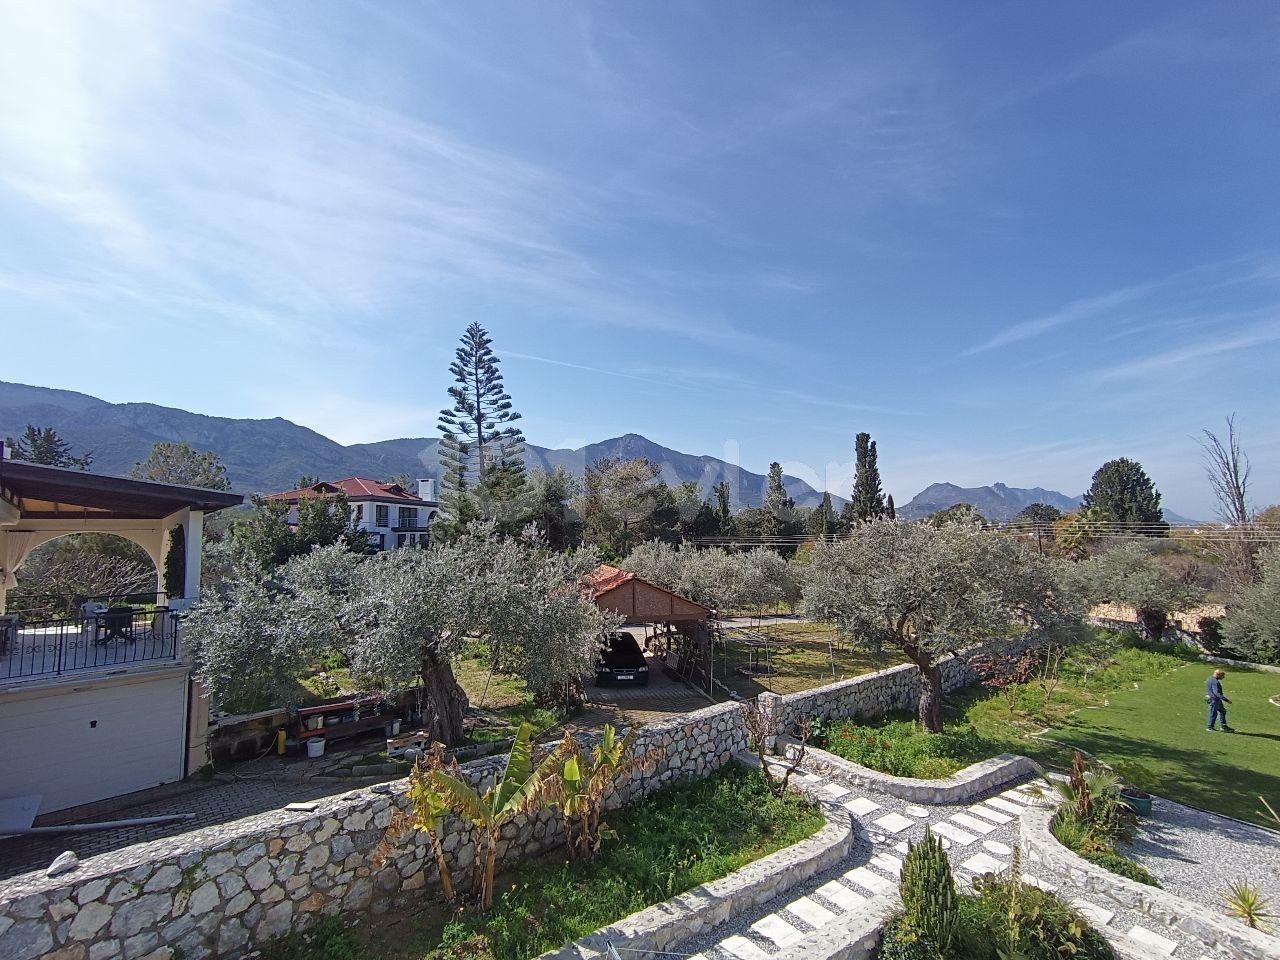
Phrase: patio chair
(91, 612)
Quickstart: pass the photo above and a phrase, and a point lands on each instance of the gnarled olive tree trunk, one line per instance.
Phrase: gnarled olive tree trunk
(445, 700)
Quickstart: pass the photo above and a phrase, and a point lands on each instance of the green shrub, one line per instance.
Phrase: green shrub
(900, 749)
(902, 942)
(1119, 864)
(1032, 924)
(929, 893)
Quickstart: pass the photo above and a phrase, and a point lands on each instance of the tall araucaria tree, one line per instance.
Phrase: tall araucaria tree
(43, 445)
(401, 618)
(481, 450)
(868, 497)
(929, 590)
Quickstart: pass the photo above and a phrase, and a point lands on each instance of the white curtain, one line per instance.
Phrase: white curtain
(14, 547)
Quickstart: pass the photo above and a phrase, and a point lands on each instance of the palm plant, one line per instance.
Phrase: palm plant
(579, 786)
(1247, 903)
(518, 791)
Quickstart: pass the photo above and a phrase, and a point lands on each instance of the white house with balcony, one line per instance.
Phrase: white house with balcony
(96, 696)
(391, 515)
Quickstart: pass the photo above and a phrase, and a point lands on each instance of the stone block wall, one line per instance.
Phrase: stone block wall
(875, 694)
(217, 891)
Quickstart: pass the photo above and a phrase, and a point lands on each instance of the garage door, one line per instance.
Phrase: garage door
(79, 742)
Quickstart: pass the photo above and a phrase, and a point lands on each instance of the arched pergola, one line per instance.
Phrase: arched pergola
(39, 504)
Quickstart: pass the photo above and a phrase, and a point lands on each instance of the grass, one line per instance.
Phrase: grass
(677, 838)
(1160, 723)
(897, 747)
(808, 655)
(1139, 708)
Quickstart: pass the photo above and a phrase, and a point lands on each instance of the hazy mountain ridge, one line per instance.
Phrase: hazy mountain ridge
(997, 502)
(264, 456)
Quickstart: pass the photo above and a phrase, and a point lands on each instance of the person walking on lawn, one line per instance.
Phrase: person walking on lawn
(1216, 699)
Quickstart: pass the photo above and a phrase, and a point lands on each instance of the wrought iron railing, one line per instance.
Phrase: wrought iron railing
(118, 636)
(58, 606)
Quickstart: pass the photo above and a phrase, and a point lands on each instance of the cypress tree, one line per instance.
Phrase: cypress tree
(822, 519)
(724, 509)
(481, 450)
(779, 509)
(868, 498)
(889, 512)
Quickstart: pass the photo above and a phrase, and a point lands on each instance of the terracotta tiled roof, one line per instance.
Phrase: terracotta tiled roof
(605, 578)
(355, 488)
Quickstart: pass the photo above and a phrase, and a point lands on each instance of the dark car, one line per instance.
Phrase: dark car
(622, 661)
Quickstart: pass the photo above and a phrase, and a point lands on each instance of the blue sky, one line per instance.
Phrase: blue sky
(1011, 240)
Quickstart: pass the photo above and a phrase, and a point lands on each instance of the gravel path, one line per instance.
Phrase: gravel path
(980, 837)
(1196, 854)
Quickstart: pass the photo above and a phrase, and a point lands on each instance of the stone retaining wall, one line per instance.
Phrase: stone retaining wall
(875, 694)
(961, 787)
(1220, 934)
(664, 926)
(219, 890)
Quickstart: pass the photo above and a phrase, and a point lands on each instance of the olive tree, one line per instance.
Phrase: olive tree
(929, 590)
(1252, 624)
(402, 617)
(1133, 574)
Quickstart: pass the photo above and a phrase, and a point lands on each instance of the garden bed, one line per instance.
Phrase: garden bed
(690, 833)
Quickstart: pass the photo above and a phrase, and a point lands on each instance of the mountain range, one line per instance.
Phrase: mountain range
(265, 456)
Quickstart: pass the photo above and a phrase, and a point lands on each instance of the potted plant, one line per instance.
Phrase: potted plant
(1137, 778)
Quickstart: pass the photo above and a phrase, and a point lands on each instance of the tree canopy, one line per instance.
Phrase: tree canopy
(401, 618)
(1131, 573)
(1124, 495)
(1252, 623)
(928, 590)
(181, 463)
(42, 445)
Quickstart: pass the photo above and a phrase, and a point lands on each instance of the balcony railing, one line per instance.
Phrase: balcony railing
(120, 636)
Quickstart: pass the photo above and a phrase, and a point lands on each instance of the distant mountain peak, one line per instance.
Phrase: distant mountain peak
(996, 502)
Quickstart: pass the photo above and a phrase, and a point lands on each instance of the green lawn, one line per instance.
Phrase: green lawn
(1160, 724)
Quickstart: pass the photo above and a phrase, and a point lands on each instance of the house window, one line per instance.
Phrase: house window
(382, 515)
(399, 539)
(408, 517)
(359, 514)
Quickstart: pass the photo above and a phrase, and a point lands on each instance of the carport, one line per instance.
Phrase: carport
(682, 622)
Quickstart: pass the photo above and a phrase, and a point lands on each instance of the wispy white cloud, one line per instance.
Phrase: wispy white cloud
(287, 194)
(1190, 354)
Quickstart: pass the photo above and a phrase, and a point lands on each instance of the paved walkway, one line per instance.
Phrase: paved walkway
(627, 706)
(980, 838)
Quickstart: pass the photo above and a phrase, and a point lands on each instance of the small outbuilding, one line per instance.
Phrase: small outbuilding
(640, 600)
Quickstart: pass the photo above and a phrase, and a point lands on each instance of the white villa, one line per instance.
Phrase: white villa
(96, 693)
(387, 512)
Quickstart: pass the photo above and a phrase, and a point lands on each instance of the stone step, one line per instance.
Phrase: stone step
(744, 949)
(995, 816)
(860, 806)
(869, 881)
(981, 863)
(972, 824)
(840, 895)
(1096, 915)
(811, 912)
(893, 823)
(777, 930)
(1006, 806)
(953, 833)
(889, 864)
(1149, 938)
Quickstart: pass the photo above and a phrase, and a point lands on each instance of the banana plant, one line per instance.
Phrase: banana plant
(579, 786)
(518, 791)
(430, 804)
